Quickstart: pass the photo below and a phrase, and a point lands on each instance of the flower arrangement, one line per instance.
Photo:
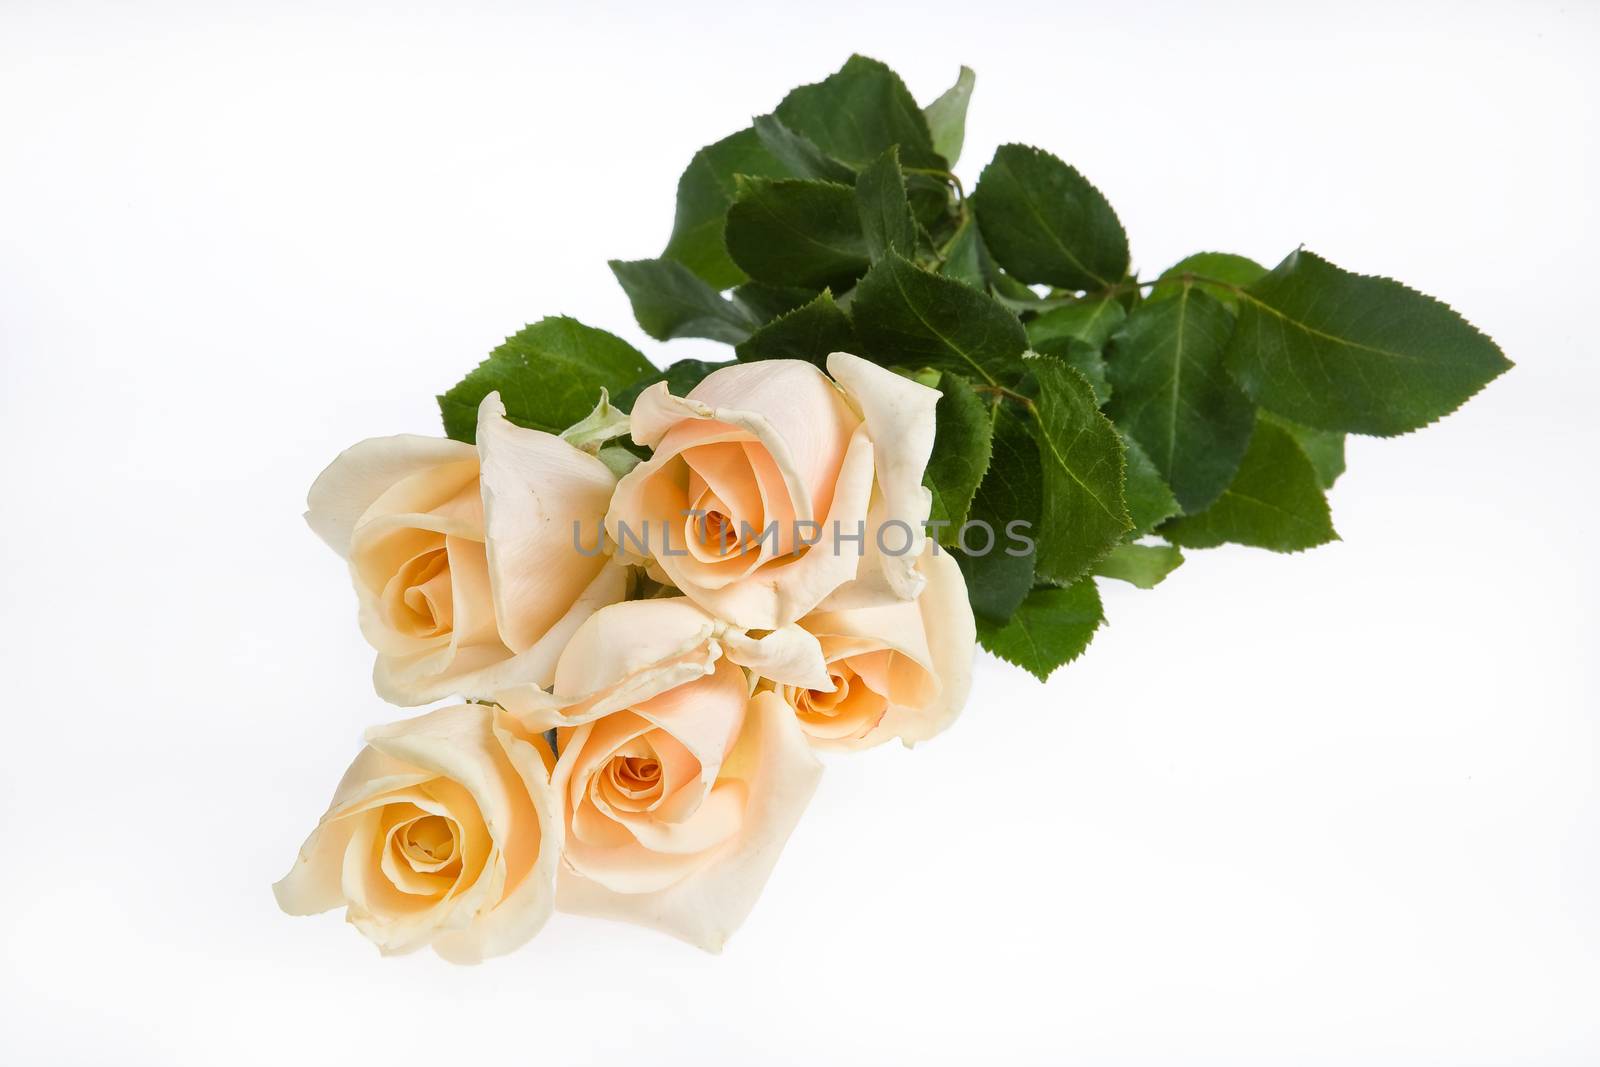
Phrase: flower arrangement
(661, 593)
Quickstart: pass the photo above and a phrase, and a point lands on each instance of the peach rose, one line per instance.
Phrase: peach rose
(901, 670)
(677, 790)
(443, 832)
(464, 558)
(777, 444)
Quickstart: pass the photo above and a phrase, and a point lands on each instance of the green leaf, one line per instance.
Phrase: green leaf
(1348, 352)
(810, 333)
(767, 302)
(704, 193)
(549, 376)
(1081, 456)
(963, 257)
(1010, 292)
(1090, 321)
(1145, 566)
(792, 231)
(669, 301)
(1226, 267)
(1149, 497)
(1044, 222)
(1324, 448)
(903, 314)
(1172, 394)
(947, 116)
(1051, 627)
(886, 220)
(856, 113)
(1275, 501)
(797, 153)
(1083, 358)
(999, 569)
(932, 204)
(680, 377)
(962, 442)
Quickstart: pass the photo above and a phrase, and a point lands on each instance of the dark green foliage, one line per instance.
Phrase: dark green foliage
(549, 375)
(1081, 409)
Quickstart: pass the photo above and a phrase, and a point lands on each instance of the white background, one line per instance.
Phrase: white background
(1313, 809)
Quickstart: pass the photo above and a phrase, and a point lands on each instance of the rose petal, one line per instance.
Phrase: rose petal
(703, 715)
(542, 499)
(311, 886)
(775, 764)
(482, 671)
(951, 634)
(622, 655)
(789, 655)
(532, 855)
(792, 402)
(789, 407)
(781, 592)
(362, 473)
(899, 416)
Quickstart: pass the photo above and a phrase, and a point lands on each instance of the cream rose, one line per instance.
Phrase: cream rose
(464, 558)
(443, 832)
(677, 790)
(778, 445)
(901, 670)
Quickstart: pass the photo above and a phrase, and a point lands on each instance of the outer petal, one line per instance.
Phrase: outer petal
(952, 643)
(788, 405)
(789, 655)
(540, 495)
(362, 473)
(628, 653)
(657, 410)
(780, 773)
(312, 884)
(799, 405)
(529, 895)
(899, 416)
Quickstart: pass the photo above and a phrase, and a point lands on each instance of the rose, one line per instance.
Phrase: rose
(761, 459)
(677, 790)
(443, 832)
(901, 670)
(465, 560)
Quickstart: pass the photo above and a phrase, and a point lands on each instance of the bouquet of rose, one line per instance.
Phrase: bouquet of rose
(661, 592)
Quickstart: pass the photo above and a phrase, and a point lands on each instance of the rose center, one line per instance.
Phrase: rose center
(721, 532)
(641, 771)
(726, 503)
(419, 598)
(632, 782)
(427, 842)
(851, 710)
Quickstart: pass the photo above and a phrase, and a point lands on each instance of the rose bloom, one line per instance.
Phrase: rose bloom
(778, 442)
(464, 558)
(676, 789)
(901, 670)
(443, 832)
